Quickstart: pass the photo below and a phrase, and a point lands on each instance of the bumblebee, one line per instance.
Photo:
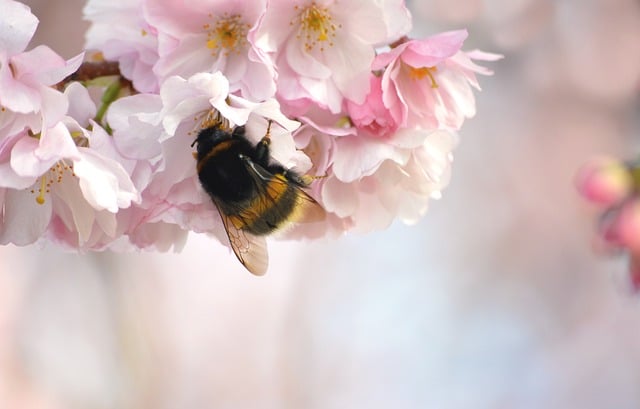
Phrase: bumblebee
(254, 194)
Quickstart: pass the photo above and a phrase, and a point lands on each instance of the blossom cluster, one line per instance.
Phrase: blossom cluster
(615, 187)
(104, 160)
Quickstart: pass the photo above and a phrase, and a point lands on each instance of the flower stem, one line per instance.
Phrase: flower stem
(110, 95)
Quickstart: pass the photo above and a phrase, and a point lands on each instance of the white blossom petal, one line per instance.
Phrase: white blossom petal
(24, 220)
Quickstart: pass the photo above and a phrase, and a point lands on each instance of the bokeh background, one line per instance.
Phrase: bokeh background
(496, 299)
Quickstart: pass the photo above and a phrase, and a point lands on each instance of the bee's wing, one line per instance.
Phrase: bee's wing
(251, 250)
(307, 209)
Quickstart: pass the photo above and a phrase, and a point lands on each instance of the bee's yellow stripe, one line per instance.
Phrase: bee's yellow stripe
(275, 190)
(222, 146)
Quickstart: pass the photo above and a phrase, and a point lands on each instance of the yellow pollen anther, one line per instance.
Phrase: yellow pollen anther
(344, 122)
(315, 26)
(42, 190)
(55, 175)
(315, 21)
(228, 33)
(420, 73)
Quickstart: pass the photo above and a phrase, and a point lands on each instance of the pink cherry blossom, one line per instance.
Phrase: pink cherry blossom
(605, 181)
(373, 116)
(366, 181)
(17, 26)
(399, 188)
(427, 83)
(323, 50)
(73, 175)
(209, 36)
(614, 185)
(137, 128)
(81, 187)
(104, 166)
(26, 77)
(118, 29)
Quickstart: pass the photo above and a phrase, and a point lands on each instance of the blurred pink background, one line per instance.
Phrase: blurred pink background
(497, 299)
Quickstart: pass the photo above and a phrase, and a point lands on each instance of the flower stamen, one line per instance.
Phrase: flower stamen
(316, 26)
(420, 73)
(43, 187)
(228, 33)
(55, 175)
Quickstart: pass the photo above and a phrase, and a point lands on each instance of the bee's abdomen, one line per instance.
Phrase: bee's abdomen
(269, 210)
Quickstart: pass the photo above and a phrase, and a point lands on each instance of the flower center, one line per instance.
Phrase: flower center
(420, 73)
(228, 33)
(316, 26)
(55, 175)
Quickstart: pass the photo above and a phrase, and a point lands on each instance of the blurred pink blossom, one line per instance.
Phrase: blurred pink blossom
(615, 186)
(604, 180)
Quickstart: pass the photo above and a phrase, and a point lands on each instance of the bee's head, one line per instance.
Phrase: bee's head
(209, 137)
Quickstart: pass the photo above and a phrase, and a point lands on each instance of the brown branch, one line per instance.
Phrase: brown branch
(399, 41)
(89, 70)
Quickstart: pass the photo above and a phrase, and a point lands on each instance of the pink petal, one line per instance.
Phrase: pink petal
(17, 26)
(24, 220)
(350, 62)
(81, 106)
(54, 106)
(175, 18)
(339, 197)
(303, 63)
(428, 52)
(135, 121)
(10, 179)
(273, 28)
(33, 157)
(56, 143)
(104, 182)
(628, 225)
(357, 156)
(15, 95)
(34, 64)
(79, 215)
(24, 161)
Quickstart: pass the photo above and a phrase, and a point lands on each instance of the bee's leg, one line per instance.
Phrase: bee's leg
(262, 149)
(303, 180)
(294, 177)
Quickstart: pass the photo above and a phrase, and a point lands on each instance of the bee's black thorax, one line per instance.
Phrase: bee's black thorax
(220, 168)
